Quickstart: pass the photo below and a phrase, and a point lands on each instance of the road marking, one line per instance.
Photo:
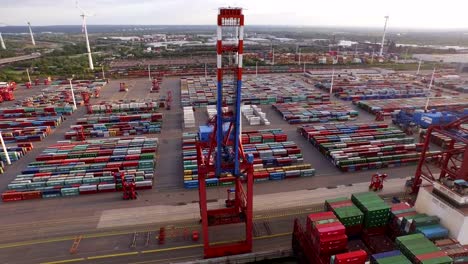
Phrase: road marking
(167, 260)
(116, 233)
(170, 249)
(64, 261)
(161, 250)
(113, 255)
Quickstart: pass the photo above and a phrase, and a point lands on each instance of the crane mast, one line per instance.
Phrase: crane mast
(221, 153)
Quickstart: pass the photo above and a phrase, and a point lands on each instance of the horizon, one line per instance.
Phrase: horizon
(416, 14)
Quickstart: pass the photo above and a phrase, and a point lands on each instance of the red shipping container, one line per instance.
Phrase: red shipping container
(10, 196)
(355, 257)
(431, 255)
(331, 229)
(317, 217)
(341, 204)
(337, 245)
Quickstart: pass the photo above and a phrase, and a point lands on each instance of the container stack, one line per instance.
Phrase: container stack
(356, 147)
(418, 249)
(348, 214)
(427, 225)
(15, 153)
(189, 117)
(376, 215)
(376, 211)
(299, 113)
(254, 115)
(397, 212)
(390, 257)
(389, 106)
(354, 257)
(260, 90)
(69, 169)
(374, 90)
(275, 158)
(117, 125)
(443, 141)
(26, 112)
(26, 134)
(327, 234)
(454, 249)
(129, 107)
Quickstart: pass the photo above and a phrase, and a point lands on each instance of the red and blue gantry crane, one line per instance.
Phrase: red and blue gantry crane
(451, 162)
(220, 153)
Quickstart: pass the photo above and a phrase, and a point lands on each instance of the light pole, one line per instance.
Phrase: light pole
(5, 149)
(332, 78)
(29, 77)
(149, 72)
(73, 94)
(419, 66)
(103, 75)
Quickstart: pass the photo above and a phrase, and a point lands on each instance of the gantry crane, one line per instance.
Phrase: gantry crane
(223, 154)
(452, 162)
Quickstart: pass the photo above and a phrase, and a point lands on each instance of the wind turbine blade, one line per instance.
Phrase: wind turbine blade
(81, 9)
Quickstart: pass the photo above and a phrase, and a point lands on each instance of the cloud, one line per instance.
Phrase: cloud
(367, 13)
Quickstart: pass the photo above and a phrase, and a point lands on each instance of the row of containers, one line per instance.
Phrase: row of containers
(35, 117)
(373, 90)
(29, 124)
(125, 106)
(15, 153)
(300, 113)
(443, 141)
(70, 169)
(388, 106)
(369, 229)
(259, 90)
(354, 147)
(275, 158)
(101, 125)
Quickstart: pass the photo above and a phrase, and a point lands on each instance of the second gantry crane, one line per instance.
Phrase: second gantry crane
(220, 153)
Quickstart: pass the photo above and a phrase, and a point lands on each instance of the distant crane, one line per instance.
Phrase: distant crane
(31, 33)
(1, 42)
(85, 14)
(383, 36)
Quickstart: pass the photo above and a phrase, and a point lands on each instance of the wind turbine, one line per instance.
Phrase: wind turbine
(383, 36)
(31, 33)
(85, 14)
(2, 43)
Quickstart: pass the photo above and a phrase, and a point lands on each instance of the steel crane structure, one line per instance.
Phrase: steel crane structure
(222, 154)
(452, 162)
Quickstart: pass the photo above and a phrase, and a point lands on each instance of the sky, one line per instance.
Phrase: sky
(351, 13)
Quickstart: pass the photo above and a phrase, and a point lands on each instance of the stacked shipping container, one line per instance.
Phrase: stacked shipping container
(265, 89)
(14, 153)
(421, 250)
(69, 169)
(356, 147)
(297, 113)
(328, 236)
(275, 158)
(388, 106)
(117, 125)
(348, 214)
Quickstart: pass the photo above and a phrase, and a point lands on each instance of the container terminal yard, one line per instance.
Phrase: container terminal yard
(320, 166)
